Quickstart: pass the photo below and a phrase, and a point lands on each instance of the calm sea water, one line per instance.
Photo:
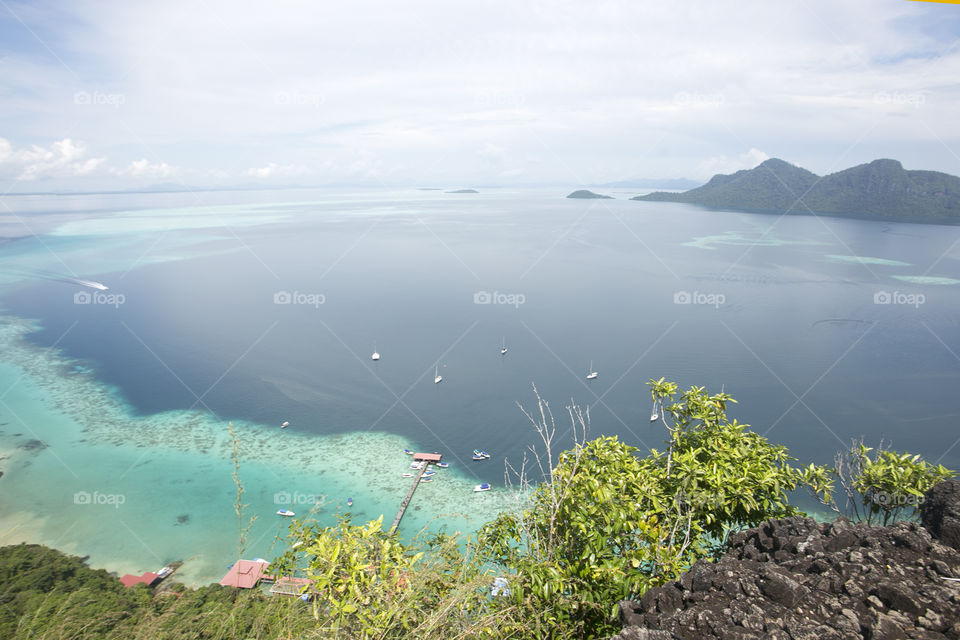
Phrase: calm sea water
(824, 329)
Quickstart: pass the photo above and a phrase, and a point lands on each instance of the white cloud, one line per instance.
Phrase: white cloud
(575, 91)
(63, 158)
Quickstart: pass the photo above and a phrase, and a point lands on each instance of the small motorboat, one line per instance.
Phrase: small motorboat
(437, 378)
(592, 375)
(477, 457)
(286, 512)
(375, 355)
(503, 347)
(483, 486)
(284, 425)
(349, 502)
(443, 465)
(164, 572)
(426, 479)
(482, 454)
(655, 413)
(406, 475)
(416, 465)
(408, 452)
(427, 474)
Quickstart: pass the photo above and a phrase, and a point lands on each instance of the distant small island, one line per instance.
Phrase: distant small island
(463, 191)
(588, 195)
(879, 190)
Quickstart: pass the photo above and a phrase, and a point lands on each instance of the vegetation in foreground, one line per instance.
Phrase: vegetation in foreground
(601, 524)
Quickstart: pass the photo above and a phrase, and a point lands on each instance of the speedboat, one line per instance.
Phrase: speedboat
(443, 465)
(477, 457)
(426, 479)
(375, 356)
(503, 347)
(406, 475)
(482, 454)
(408, 452)
(592, 375)
(349, 502)
(416, 465)
(427, 474)
(286, 512)
(437, 378)
(164, 572)
(284, 425)
(484, 486)
(655, 413)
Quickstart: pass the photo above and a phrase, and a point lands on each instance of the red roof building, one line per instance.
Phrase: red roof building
(245, 574)
(429, 457)
(148, 578)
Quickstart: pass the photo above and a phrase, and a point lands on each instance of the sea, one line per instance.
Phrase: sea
(251, 309)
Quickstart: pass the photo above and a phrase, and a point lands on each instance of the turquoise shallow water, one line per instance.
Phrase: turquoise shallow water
(134, 493)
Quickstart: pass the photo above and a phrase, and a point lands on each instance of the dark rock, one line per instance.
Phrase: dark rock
(794, 578)
(940, 512)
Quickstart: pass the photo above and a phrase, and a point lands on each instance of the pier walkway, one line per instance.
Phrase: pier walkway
(427, 459)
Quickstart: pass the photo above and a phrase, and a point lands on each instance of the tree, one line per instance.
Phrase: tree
(605, 525)
(884, 487)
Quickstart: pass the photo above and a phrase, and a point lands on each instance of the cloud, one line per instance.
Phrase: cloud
(63, 158)
(574, 91)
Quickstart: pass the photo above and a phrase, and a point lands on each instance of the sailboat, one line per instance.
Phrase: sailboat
(375, 356)
(503, 348)
(437, 378)
(655, 414)
(592, 375)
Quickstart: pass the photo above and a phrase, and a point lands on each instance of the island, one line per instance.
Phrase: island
(588, 195)
(463, 191)
(879, 190)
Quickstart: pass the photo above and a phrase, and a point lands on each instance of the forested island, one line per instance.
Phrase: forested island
(881, 190)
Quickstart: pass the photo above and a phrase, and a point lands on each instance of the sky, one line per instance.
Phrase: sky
(122, 95)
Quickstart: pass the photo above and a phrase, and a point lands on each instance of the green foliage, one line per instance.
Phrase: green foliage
(607, 525)
(884, 487)
(364, 583)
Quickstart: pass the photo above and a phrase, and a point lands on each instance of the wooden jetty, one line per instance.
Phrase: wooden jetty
(427, 459)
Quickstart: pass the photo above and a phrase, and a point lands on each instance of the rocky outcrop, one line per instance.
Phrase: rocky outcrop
(798, 579)
(585, 194)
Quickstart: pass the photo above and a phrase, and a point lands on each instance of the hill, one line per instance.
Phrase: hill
(881, 189)
(588, 195)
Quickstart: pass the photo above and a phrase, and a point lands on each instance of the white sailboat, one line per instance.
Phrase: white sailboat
(375, 356)
(503, 348)
(437, 378)
(592, 375)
